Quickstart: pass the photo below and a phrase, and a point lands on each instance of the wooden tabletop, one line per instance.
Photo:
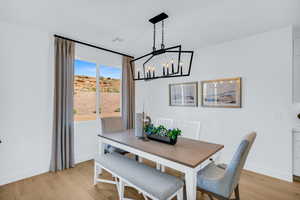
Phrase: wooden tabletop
(185, 151)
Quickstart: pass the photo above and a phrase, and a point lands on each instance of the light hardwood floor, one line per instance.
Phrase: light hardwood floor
(76, 184)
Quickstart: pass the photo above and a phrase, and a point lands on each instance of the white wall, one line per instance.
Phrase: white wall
(85, 140)
(98, 56)
(26, 104)
(296, 72)
(264, 62)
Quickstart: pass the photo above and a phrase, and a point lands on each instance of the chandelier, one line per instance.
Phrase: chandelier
(165, 62)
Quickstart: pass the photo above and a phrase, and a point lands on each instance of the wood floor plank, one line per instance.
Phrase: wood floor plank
(77, 184)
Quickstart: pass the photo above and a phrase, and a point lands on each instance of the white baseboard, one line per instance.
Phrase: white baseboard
(264, 170)
(6, 179)
(83, 158)
(270, 172)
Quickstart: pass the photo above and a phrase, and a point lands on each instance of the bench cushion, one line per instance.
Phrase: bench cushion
(152, 181)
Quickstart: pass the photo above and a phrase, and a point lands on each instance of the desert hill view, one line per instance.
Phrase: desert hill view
(85, 97)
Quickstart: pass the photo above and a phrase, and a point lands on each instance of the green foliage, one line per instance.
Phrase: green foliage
(115, 90)
(93, 89)
(117, 110)
(174, 133)
(111, 90)
(162, 131)
(74, 111)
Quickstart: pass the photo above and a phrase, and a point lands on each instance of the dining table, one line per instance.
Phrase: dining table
(187, 156)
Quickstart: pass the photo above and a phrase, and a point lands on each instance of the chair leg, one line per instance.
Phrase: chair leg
(157, 166)
(237, 193)
(210, 197)
(121, 189)
(163, 168)
(184, 192)
(145, 197)
(180, 194)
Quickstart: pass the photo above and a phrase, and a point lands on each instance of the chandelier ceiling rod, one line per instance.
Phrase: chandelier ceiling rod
(154, 35)
(162, 34)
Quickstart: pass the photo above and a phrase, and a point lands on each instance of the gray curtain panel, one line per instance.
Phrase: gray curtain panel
(128, 94)
(63, 125)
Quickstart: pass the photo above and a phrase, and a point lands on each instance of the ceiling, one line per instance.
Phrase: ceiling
(192, 23)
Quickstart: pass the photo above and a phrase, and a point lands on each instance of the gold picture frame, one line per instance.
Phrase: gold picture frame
(222, 93)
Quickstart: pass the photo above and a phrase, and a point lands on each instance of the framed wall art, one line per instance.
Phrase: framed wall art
(183, 94)
(224, 93)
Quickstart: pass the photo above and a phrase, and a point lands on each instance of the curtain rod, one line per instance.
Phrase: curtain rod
(91, 45)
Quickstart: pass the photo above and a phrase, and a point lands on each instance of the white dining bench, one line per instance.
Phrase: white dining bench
(147, 180)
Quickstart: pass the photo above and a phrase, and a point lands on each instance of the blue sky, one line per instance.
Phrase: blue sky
(89, 69)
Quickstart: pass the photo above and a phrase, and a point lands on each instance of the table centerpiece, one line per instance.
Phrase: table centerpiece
(162, 134)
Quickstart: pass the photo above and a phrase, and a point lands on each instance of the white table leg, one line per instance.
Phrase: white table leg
(140, 159)
(100, 153)
(96, 171)
(191, 184)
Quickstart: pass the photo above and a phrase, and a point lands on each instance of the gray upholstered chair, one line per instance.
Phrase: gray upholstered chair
(220, 182)
(110, 125)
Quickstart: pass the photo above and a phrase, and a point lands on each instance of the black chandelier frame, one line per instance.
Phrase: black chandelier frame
(174, 49)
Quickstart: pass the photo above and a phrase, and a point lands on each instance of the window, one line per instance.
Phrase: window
(110, 87)
(84, 91)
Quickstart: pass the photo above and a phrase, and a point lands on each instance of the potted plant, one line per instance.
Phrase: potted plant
(162, 134)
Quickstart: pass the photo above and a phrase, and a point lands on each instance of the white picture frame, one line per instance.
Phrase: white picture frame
(183, 94)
